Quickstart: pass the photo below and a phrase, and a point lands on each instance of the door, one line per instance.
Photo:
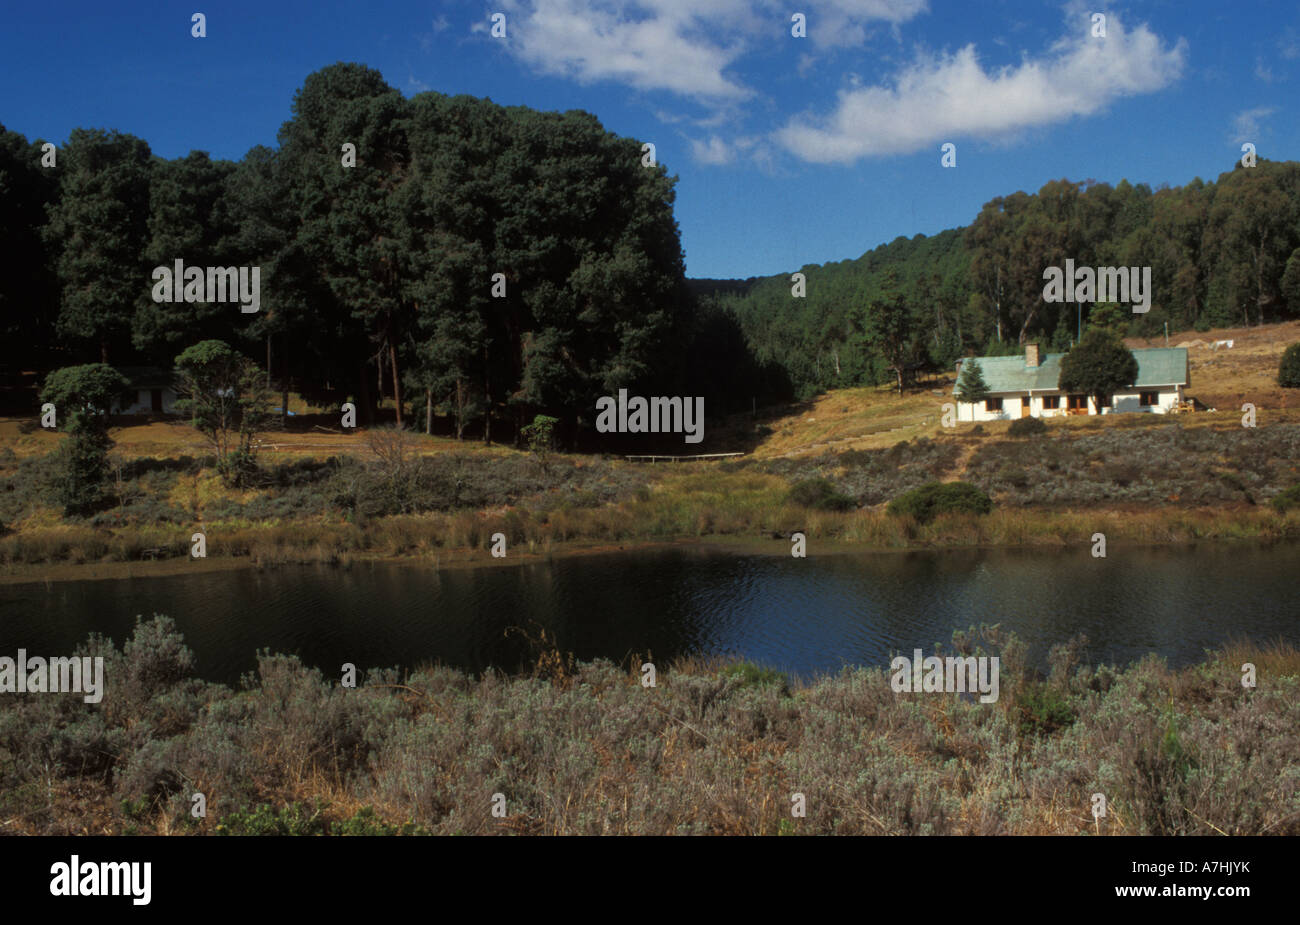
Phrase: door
(155, 397)
(1024, 406)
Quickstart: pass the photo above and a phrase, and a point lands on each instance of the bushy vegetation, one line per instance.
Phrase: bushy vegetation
(583, 748)
(1153, 464)
(1288, 499)
(1288, 370)
(820, 495)
(873, 476)
(1026, 427)
(935, 498)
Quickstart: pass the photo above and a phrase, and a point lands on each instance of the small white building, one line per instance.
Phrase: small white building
(1026, 386)
(149, 391)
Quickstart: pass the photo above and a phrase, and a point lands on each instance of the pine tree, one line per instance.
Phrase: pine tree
(971, 386)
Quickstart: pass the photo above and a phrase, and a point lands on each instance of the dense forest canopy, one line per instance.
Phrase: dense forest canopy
(478, 255)
(489, 263)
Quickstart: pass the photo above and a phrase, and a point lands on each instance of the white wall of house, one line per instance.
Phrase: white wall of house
(143, 402)
(1128, 400)
(1167, 397)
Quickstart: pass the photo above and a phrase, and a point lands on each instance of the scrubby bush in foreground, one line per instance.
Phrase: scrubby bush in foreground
(588, 750)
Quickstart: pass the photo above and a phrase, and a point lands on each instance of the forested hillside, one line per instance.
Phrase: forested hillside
(1221, 254)
(379, 280)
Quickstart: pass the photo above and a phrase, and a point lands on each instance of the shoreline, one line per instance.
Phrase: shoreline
(965, 536)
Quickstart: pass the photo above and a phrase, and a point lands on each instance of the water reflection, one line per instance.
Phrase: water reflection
(802, 615)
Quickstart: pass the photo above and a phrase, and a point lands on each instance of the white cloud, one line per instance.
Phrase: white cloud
(1246, 124)
(947, 97)
(654, 45)
(844, 22)
(686, 47)
(715, 151)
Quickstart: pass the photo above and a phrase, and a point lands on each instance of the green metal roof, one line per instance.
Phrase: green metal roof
(1157, 366)
(147, 377)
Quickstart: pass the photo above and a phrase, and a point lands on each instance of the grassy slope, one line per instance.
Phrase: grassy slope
(704, 499)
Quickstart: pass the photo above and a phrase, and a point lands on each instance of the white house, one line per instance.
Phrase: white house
(149, 391)
(1026, 386)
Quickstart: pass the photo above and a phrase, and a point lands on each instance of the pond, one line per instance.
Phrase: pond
(804, 616)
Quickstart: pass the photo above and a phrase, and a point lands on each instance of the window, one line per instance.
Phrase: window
(1051, 402)
(1077, 402)
(992, 404)
(1147, 399)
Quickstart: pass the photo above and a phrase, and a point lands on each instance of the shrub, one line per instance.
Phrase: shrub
(81, 469)
(751, 675)
(294, 819)
(935, 498)
(1041, 710)
(820, 495)
(1287, 499)
(1027, 427)
(1016, 478)
(541, 437)
(1288, 371)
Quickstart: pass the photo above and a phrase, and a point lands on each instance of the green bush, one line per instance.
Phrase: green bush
(1027, 427)
(751, 675)
(1041, 710)
(935, 498)
(1287, 499)
(81, 471)
(293, 819)
(1288, 371)
(820, 495)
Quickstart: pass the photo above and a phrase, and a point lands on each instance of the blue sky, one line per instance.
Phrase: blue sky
(790, 151)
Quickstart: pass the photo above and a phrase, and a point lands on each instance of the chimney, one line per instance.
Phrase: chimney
(1032, 357)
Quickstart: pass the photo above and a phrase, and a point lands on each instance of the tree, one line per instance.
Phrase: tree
(971, 386)
(82, 396)
(1288, 371)
(188, 220)
(226, 395)
(1100, 364)
(889, 328)
(28, 299)
(541, 438)
(99, 226)
(1110, 317)
(349, 221)
(1291, 282)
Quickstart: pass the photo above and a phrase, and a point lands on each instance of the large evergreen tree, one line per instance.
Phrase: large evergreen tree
(99, 228)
